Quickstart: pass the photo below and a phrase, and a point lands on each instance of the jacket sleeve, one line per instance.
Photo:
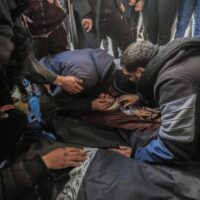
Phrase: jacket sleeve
(38, 73)
(22, 57)
(14, 41)
(178, 134)
(19, 178)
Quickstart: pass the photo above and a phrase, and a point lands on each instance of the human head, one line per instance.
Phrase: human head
(135, 58)
(121, 84)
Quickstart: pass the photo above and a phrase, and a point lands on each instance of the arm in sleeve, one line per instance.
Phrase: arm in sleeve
(39, 73)
(19, 178)
(177, 138)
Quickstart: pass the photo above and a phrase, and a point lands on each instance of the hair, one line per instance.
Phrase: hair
(137, 54)
(121, 83)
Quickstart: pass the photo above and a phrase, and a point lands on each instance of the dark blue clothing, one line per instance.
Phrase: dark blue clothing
(90, 65)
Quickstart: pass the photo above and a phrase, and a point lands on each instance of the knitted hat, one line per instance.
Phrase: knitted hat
(122, 84)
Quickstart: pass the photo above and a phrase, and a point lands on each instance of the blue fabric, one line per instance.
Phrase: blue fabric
(154, 152)
(34, 106)
(90, 65)
(35, 119)
(35, 122)
(187, 8)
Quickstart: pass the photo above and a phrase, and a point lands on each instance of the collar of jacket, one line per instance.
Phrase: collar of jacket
(167, 56)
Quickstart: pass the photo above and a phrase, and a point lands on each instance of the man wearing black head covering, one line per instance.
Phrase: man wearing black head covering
(99, 74)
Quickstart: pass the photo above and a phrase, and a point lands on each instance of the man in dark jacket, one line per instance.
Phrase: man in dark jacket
(97, 70)
(170, 76)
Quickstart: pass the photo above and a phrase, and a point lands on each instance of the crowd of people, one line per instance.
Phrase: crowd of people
(145, 109)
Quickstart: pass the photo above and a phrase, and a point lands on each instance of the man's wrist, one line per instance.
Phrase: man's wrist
(58, 81)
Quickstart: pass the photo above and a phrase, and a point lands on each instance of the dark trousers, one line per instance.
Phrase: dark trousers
(117, 28)
(85, 39)
(11, 130)
(114, 26)
(161, 15)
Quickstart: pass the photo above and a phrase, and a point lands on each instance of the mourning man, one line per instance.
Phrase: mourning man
(169, 76)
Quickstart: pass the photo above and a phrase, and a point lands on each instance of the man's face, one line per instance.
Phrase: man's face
(135, 75)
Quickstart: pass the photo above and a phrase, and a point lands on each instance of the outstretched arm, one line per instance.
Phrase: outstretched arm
(19, 178)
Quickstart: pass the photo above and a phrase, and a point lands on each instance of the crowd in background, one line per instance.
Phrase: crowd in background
(123, 21)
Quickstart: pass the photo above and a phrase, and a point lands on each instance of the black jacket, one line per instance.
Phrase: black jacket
(173, 78)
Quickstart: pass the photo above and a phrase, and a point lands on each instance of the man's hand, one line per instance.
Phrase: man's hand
(123, 150)
(142, 113)
(70, 84)
(113, 104)
(64, 157)
(101, 104)
(132, 2)
(139, 6)
(128, 100)
(87, 23)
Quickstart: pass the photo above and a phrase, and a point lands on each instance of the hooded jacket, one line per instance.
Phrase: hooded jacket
(94, 66)
(90, 65)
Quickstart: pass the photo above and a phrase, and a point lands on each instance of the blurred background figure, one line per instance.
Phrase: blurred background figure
(189, 12)
(46, 23)
(132, 12)
(100, 18)
(161, 15)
